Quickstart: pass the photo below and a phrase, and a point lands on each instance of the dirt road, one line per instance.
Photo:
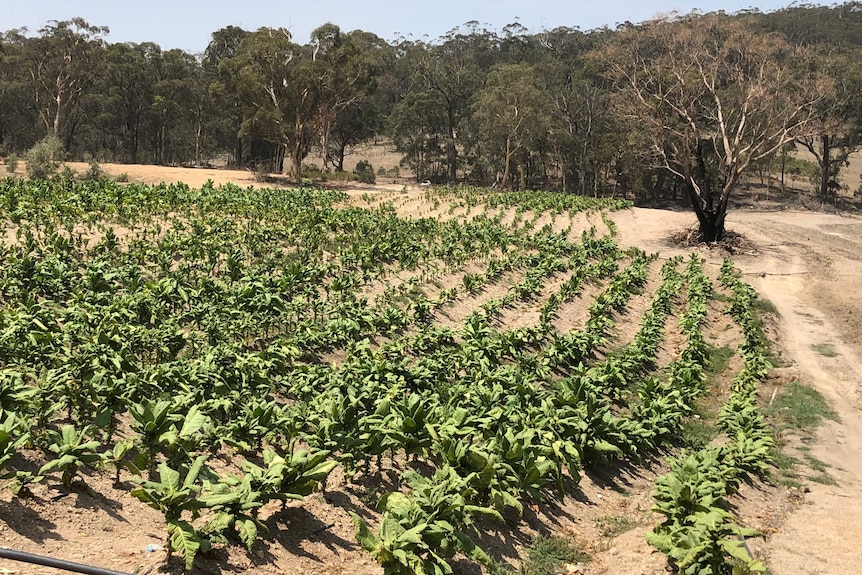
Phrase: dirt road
(810, 267)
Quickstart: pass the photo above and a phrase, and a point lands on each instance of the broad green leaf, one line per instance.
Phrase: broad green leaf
(184, 538)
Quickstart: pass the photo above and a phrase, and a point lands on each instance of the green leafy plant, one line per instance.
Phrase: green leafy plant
(11, 163)
(289, 478)
(422, 531)
(73, 452)
(176, 493)
(364, 172)
(160, 427)
(14, 435)
(94, 172)
(235, 504)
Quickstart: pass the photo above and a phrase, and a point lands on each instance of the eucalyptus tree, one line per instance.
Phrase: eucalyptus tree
(346, 71)
(837, 127)
(226, 106)
(126, 89)
(18, 120)
(63, 62)
(417, 127)
(512, 114)
(278, 84)
(175, 114)
(365, 117)
(713, 96)
(430, 123)
(584, 136)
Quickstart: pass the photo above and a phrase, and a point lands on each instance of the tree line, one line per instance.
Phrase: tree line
(680, 106)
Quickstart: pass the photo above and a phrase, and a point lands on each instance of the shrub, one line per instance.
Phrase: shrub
(365, 172)
(44, 158)
(798, 168)
(67, 173)
(393, 172)
(11, 163)
(95, 172)
(124, 177)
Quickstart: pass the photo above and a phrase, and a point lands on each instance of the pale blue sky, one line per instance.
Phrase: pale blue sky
(188, 24)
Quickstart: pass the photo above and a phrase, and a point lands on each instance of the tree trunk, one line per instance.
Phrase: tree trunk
(659, 183)
(198, 143)
(342, 148)
(824, 166)
(452, 150)
(564, 183)
(237, 153)
(508, 162)
(55, 128)
(133, 152)
(711, 228)
(710, 219)
(296, 160)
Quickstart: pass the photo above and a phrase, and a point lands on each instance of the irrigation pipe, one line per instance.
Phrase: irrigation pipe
(22, 556)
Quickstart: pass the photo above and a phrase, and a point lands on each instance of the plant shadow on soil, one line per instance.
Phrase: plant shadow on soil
(296, 525)
(620, 475)
(88, 498)
(291, 528)
(27, 522)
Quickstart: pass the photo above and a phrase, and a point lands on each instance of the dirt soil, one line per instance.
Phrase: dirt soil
(808, 264)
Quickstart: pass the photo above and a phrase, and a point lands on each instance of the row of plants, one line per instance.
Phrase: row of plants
(525, 200)
(699, 534)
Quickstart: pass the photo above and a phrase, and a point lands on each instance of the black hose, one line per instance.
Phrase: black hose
(55, 563)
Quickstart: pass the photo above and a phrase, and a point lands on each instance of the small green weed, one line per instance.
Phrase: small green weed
(697, 433)
(546, 556)
(823, 479)
(611, 526)
(799, 407)
(787, 481)
(719, 357)
(815, 463)
(765, 306)
(782, 460)
(825, 349)
(822, 475)
(720, 296)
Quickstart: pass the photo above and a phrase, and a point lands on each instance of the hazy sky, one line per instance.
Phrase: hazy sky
(188, 24)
